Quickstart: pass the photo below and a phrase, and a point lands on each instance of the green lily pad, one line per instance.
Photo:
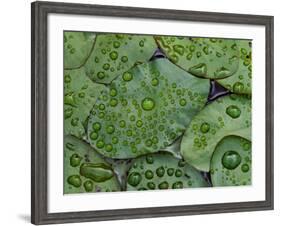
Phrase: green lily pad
(80, 94)
(77, 48)
(114, 54)
(241, 81)
(228, 115)
(209, 58)
(231, 162)
(145, 109)
(162, 171)
(85, 170)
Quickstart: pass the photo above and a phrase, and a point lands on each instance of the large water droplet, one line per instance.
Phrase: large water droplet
(198, 70)
(96, 126)
(134, 179)
(75, 160)
(233, 111)
(231, 159)
(179, 49)
(147, 104)
(113, 55)
(98, 172)
(110, 129)
(222, 72)
(245, 168)
(149, 174)
(127, 76)
(88, 186)
(160, 171)
(163, 185)
(151, 185)
(69, 99)
(74, 180)
(177, 185)
(205, 127)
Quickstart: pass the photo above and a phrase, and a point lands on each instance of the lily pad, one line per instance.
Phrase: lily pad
(114, 54)
(85, 170)
(80, 94)
(228, 115)
(162, 171)
(203, 57)
(231, 162)
(145, 109)
(241, 81)
(77, 48)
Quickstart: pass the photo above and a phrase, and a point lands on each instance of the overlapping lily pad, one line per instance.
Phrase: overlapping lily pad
(229, 115)
(241, 81)
(231, 162)
(80, 93)
(114, 54)
(77, 48)
(162, 171)
(145, 109)
(85, 170)
(203, 57)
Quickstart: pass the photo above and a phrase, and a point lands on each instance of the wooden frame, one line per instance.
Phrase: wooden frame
(40, 11)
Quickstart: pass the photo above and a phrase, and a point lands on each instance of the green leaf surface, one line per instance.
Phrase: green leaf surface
(162, 171)
(228, 115)
(85, 170)
(80, 94)
(241, 81)
(231, 162)
(77, 48)
(202, 57)
(145, 109)
(114, 54)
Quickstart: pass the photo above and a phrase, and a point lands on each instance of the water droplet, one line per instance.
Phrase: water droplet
(170, 171)
(122, 123)
(149, 159)
(247, 146)
(75, 160)
(222, 72)
(149, 174)
(134, 179)
(74, 122)
(67, 79)
(199, 69)
(116, 44)
(96, 126)
(245, 168)
(182, 102)
(191, 48)
(113, 102)
(206, 50)
(179, 49)
(154, 82)
(177, 185)
(101, 75)
(106, 66)
(148, 143)
(113, 92)
(114, 140)
(151, 185)
(100, 144)
(243, 51)
(181, 163)
(233, 111)
(127, 76)
(110, 129)
(163, 185)
(101, 107)
(98, 172)
(238, 87)
(139, 123)
(108, 147)
(69, 99)
(88, 186)
(68, 113)
(205, 127)
(113, 55)
(231, 159)
(160, 171)
(94, 135)
(178, 173)
(189, 56)
(124, 59)
(74, 180)
(147, 104)
(141, 43)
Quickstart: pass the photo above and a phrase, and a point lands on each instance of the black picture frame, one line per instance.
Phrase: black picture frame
(39, 106)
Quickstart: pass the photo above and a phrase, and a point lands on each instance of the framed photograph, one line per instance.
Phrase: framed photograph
(140, 112)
